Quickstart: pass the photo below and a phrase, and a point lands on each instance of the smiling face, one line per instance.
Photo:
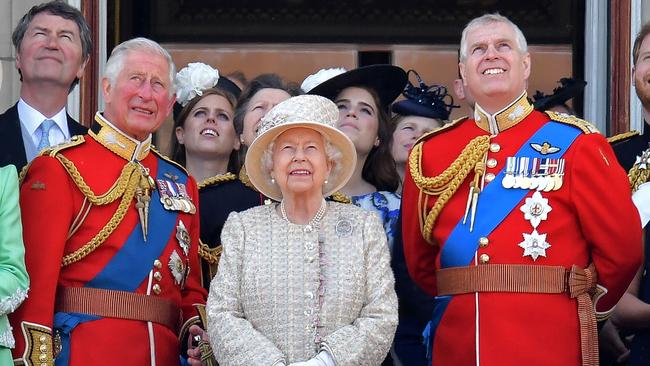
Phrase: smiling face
(258, 105)
(408, 130)
(495, 71)
(208, 129)
(50, 51)
(139, 100)
(358, 118)
(300, 163)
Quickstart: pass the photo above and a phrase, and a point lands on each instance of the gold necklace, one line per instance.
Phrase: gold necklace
(315, 221)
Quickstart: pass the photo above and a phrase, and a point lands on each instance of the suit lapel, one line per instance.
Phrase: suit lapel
(12, 152)
(75, 128)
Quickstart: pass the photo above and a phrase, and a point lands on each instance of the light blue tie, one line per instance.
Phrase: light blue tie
(46, 126)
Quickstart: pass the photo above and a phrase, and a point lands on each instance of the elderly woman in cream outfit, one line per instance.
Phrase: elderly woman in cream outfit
(303, 282)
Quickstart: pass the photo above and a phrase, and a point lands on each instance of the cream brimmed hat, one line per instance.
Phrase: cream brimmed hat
(308, 111)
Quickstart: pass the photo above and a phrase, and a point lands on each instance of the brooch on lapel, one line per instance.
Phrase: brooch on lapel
(343, 228)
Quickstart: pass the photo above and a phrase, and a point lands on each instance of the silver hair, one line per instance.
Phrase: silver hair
(487, 19)
(115, 62)
(332, 153)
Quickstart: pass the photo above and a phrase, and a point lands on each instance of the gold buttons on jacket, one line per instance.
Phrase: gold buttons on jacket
(483, 258)
(494, 147)
(157, 276)
(157, 264)
(156, 289)
(483, 242)
(491, 163)
(489, 177)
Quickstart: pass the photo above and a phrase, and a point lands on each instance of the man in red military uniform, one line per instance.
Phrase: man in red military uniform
(519, 222)
(111, 232)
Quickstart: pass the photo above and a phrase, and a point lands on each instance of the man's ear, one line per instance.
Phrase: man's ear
(526, 62)
(106, 88)
(461, 69)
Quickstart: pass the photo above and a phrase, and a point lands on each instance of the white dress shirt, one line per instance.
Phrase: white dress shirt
(30, 121)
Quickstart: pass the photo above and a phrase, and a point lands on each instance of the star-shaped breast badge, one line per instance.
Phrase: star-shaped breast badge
(534, 245)
(536, 209)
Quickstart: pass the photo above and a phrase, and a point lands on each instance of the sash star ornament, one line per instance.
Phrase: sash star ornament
(536, 209)
(643, 160)
(177, 267)
(183, 237)
(534, 245)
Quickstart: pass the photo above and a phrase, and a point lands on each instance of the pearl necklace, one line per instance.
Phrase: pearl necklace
(315, 221)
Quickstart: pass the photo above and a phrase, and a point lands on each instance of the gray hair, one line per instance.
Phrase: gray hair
(332, 153)
(487, 19)
(60, 9)
(115, 62)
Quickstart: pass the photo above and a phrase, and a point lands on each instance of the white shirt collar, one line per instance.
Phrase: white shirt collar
(31, 118)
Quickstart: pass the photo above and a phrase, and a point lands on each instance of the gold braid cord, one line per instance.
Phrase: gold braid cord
(211, 255)
(637, 176)
(218, 179)
(129, 181)
(447, 183)
(640, 171)
(340, 197)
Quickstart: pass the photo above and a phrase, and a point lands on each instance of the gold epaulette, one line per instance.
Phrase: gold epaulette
(440, 129)
(572, 120)
(243, 177)
(340, 198)
(217, 179)
(168, 159)
(54, 150)
(622, 137)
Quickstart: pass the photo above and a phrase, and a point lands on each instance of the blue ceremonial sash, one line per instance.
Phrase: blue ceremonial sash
(131, 264)
(494, 205)
(496, 202)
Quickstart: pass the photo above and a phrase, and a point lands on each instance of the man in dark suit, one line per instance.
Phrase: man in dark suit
(52, 44)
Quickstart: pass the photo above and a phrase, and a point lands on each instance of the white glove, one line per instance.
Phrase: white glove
(323, 358)
(641, 199)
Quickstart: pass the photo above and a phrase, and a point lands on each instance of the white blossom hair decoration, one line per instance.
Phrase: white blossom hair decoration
(322, 75)
(193, 79)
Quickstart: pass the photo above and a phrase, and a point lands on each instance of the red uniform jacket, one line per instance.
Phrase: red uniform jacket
(56, 223)
(592, 220)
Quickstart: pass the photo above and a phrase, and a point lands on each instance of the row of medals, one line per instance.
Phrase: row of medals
(542, 174)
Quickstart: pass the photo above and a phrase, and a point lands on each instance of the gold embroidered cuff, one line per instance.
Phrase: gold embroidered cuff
(38, 345)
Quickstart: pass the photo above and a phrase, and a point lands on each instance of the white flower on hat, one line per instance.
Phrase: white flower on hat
(321, 76)
(193, 79)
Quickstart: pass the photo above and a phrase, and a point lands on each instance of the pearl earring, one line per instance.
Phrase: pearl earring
(326, 181)
(272, 180)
